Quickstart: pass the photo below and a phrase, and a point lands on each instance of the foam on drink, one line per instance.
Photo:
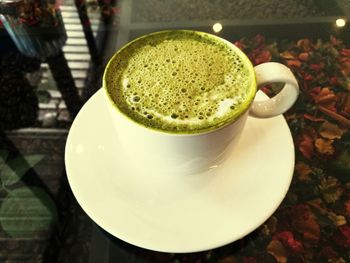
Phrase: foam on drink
(180, 82)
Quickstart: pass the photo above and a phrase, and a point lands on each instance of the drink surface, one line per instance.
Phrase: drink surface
(180, 81)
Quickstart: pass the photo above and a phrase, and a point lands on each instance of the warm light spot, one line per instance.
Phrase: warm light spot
(340, 22)
(217, 27)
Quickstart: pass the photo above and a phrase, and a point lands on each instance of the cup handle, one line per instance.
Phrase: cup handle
(268, 73)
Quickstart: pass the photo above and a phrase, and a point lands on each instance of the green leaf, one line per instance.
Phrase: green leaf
(14, 170)
(27, 213)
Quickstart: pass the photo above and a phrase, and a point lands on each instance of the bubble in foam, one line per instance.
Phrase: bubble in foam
(174, 116)
(136, 99)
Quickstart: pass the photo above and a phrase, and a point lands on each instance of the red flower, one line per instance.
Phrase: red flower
(303, 56)
(304, 44)
(333, 80)
(259, 56)
(23, 20)
(347, 207)
(259, 40)
(262, 57)
(315, 91)
(317, 67)
(324, 97)
(240, 45)
(345, 230)
(345, 52)
(306, 147)
(342, 238)
(265, 89)
(345, 68)
(288, 240)
(293, 63)
(308, 77)
(304, 221)
(305, 142)
(343, 59)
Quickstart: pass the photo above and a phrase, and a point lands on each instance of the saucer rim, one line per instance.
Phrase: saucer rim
(134, 241)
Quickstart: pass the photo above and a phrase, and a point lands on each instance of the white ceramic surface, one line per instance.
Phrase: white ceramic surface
(193, 153)
(272, 72)
(176, 212)
(197, 151)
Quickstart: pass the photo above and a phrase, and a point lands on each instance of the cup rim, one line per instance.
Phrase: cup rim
(246, 104)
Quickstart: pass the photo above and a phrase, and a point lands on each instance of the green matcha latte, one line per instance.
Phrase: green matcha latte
(180, 81)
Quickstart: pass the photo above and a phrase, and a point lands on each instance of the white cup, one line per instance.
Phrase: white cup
(161, 151)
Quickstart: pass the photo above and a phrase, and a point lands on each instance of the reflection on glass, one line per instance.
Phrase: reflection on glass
(340, 22)
(35, 26)
(217, 27)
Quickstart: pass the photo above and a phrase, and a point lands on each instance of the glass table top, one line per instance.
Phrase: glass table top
(52, 57)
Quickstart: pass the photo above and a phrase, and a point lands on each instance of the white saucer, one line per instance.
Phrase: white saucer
(178, 213)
